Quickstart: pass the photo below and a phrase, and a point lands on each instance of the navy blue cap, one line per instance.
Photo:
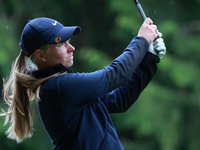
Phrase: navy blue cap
(42, 31)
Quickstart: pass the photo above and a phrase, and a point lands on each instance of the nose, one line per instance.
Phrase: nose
(70, 48)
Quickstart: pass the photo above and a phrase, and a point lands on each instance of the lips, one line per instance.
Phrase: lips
(71, 57)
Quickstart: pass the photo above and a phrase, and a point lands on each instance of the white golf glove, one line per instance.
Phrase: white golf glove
(158, 47)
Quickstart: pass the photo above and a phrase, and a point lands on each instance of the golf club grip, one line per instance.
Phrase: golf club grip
(141, 11)
(139, 7)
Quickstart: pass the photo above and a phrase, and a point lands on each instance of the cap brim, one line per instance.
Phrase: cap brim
(64, 34)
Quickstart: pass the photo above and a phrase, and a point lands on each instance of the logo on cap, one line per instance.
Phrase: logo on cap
(54, 23)
(57, 40)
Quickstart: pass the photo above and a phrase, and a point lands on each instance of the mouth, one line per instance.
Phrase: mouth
(71, 57)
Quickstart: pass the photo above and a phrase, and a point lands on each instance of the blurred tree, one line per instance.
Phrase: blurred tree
(165, 117)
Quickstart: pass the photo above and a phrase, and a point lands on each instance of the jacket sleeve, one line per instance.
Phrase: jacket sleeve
(120, 70)
(80, 88)
(120, 99)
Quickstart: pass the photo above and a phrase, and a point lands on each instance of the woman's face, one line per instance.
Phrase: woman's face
(59, 53)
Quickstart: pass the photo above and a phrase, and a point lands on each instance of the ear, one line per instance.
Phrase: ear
(40, 55)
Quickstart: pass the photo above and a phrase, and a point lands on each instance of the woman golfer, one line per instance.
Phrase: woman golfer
(74, 107)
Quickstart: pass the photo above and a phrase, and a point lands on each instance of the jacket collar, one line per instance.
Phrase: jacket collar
(48, 72)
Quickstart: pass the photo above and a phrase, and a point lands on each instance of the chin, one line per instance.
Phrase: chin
(69, 65)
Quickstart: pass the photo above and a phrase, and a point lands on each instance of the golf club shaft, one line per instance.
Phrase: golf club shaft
(139, 7)
(141, 11)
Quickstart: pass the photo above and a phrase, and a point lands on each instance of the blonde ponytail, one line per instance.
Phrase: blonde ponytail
(18, 92)
(17, 97)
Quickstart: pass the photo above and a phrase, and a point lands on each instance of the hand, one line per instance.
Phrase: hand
(148, 31)
(158, 47)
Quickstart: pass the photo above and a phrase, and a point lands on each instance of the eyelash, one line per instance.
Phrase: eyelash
(60, 44)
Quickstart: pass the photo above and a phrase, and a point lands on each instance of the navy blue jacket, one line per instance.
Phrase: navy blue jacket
(74, 107)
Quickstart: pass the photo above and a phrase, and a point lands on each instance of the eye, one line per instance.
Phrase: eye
(60, 44)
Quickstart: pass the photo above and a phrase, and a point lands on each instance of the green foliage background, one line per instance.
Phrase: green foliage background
(166, 115)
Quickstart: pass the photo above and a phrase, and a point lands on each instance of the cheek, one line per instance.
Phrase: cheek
(58, 58)
(54, 58)
(58, 55)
